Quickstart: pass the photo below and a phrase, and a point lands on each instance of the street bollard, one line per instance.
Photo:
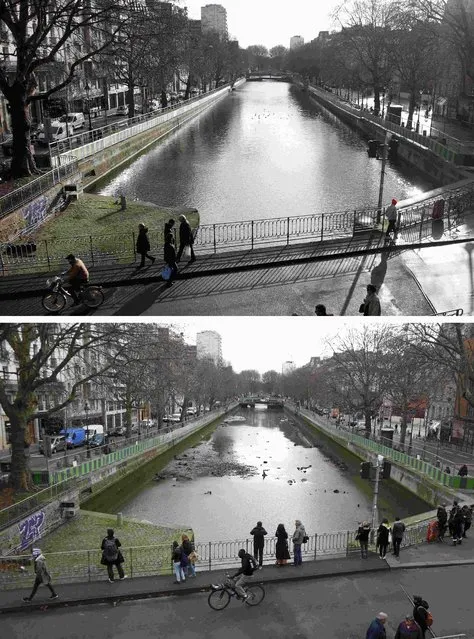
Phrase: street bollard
(119, 520)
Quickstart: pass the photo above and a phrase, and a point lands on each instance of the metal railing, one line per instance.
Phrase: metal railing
(416, 223)
(448, 149)
(33, 189)
(90, 142)
(77, 471)
(146, 561)
(391, 453)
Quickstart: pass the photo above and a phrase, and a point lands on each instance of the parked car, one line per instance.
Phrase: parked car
(360, 425)
(98, 440)
(174, 418)
(119, 431)
(191, 411)
(122, 109)
(58, 442)
(75, 120)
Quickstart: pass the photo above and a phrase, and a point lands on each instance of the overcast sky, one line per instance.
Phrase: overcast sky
(271, 22)
(264, 343)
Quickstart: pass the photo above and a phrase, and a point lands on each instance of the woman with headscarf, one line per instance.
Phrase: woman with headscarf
(281, 549)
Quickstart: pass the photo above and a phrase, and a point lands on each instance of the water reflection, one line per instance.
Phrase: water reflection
(264, 151)
(219, 489)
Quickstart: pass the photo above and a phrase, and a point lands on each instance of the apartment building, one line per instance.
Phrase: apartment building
(214, 19)
(209, 345)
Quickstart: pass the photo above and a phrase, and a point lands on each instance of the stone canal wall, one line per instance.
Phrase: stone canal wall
(420, 478)
(439, 171)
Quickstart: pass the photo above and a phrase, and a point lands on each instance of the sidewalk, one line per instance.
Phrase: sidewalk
(426, 555)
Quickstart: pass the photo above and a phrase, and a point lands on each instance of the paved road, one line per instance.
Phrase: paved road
(330, 608)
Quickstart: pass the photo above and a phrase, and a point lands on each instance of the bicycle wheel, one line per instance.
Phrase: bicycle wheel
(256, 594)
(92, 296)
(53, 302)
(218, 599)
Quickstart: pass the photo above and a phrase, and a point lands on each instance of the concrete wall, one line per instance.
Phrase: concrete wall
(23, 534)
(433, 167)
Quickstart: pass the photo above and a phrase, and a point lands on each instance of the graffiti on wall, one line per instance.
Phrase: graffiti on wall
(35, 212)
(30, 529)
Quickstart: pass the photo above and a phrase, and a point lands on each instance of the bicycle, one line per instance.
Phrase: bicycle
(221, 594)
(56, 298)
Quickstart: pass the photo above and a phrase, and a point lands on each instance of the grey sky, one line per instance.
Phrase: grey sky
(271, 22)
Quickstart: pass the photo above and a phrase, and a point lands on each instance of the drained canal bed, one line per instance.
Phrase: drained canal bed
(266, 468)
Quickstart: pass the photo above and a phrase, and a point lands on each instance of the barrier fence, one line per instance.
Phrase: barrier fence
(434, 216)
(145, 561)
(401, 458)
(77, 474)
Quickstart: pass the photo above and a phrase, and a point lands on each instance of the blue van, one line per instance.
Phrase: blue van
(74, 437)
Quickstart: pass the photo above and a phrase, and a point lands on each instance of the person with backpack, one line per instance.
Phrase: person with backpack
(362, 536)
(421, 614)
(258, 533)
(409, 629)
(383, 533)
(298, 538)
(180, 562)
(111, 555)
(245, 572)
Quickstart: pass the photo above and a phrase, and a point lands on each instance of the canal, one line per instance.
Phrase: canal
(218, 488)
(265, 150)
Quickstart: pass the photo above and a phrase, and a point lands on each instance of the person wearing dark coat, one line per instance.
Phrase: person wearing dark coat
(420, 613)
(42, 575)
(442, 517)
(408, 629)
(455, 523)
(168, 227)
(188, 548)
(281, 549)
(382, 538)
(169, 255)
(376, 630)
(111, 557)
(258, 533)
(363, 538)
(185, 238)
(143, 245)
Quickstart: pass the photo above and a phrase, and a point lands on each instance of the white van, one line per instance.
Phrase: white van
(94, 429)
(58, 131)
(75, 120)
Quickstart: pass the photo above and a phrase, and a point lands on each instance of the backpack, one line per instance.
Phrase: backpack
(305, 539)
(184, 559)
(253, 561)
(429, 619)
(110, 550)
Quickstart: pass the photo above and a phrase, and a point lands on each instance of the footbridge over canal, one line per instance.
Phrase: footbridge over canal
(270, 402)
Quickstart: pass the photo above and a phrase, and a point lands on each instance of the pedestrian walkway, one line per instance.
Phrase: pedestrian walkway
(73, 594)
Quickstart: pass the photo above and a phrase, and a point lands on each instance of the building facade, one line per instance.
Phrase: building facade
(209, 346)
(296, 42)
(214, 18)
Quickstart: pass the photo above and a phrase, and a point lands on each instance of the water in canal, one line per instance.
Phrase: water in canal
(264, 151)
(218, 489)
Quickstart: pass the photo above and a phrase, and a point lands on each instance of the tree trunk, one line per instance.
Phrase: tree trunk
(376, 99)
(411, 109)
(23, 163)
(128, 414)
(188, 87)
(20, 475)
(164, 99)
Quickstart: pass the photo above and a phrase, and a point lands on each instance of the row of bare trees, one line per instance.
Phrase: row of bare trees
(410, 365)
(420, 45)
(133, 43)
(134, 365)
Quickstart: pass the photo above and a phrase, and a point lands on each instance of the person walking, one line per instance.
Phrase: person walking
(42, 575)
(421, 614)
(297, 539)
(185, 238)
(320, 311)
(455, 523)
(398, 530)
(376, 630)
(111, 555)
(143, 245)
(371, 304)
(362, 537)
(281, 549)
(442, 517)
(409, 629)
(463, 471)
(169, 256)
(392, 214)
(383, 533)
(258, 533)
(169, 225)
(467, 515)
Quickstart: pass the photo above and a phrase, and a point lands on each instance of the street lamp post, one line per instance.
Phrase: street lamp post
(87, 90)
(388, 137)
(378, 466)
(419, 112)
(383, 103)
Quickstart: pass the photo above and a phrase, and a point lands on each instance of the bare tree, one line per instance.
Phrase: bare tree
(54, 360)
(81, 30)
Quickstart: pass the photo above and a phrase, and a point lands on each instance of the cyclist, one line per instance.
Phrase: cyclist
(77, 276)
(248, 567)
